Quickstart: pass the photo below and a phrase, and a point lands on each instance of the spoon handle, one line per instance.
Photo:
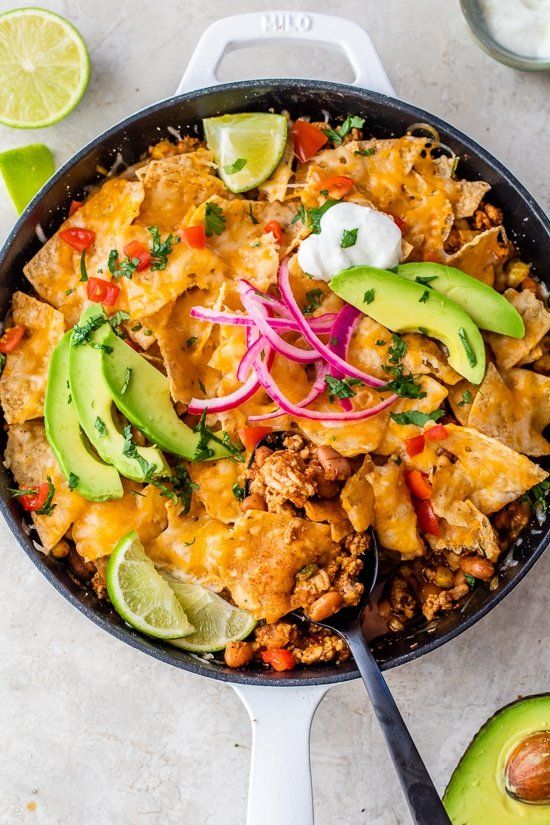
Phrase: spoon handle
(424, 803)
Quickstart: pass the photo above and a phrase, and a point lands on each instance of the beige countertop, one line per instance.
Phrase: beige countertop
(94, 733)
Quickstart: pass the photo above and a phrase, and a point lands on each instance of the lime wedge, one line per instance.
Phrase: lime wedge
(44, 68)
(140, 595)
(247, 147)
(24, 171)
(216, 621)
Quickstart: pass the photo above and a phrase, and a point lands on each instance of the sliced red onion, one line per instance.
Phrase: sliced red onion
(269, 300)
(225, 402)
(320, 323)
(339, 340)
(316, 390)
(334, 360)
(246, 365)
(287, 406)
(259, 314)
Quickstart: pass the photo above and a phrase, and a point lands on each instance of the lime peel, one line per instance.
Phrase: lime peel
(24, 171)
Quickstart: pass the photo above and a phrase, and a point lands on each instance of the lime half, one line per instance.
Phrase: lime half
(216, 621)
(44, 68)
(247, 147)
(140, 595)
(24, 171)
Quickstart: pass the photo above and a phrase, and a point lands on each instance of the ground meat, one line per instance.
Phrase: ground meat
(453, 241)
(511, 521)
(283, 477)
(434, 602)
(280, 634)
(319, 645)
(486, 216)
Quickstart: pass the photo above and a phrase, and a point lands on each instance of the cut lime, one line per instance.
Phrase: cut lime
(44, 68)
(247, 147)
(216, 621)
(24, 171)
(140, 595)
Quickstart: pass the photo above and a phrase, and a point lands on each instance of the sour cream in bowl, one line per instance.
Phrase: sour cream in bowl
(351, 235)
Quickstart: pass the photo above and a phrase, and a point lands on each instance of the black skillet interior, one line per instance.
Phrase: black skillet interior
(526, 224)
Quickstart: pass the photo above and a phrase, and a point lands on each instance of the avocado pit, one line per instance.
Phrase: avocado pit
(527, 772)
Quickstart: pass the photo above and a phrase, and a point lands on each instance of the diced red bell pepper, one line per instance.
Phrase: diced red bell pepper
(418, 484)
(11, 338)
(136, 249)
(276, 229)
(414, 445)
(102, 292)
(77, 237)
(36, 500)
(193, 236)
(74, 207)
(337, 186)
(427, 519)
(279, 658)
(251, 435)
(307, 140)
(436, 433)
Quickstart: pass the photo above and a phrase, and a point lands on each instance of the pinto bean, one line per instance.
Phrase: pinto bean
(336, 467)
(254, 502)
(238, 654)
(325, 606)
(478, 568)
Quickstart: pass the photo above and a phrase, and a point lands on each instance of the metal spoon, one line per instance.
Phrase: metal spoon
(423, 800)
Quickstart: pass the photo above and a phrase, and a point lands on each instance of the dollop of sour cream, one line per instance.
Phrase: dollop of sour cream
(522, 26)
(351, 235)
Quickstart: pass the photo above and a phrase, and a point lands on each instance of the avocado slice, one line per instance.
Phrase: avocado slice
(94, 405)
(142, 394)
(477, 792)
(96, 481)
(486, 307)
(406, 306)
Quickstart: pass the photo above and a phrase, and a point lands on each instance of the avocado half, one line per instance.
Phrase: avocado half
(504, 776)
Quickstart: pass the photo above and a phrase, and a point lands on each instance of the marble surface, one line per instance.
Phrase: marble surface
(92, 732)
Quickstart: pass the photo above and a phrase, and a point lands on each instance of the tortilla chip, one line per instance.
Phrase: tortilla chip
(23, 381)
(97, 531)
(396, 434)
(511, 351)
(267, 550)
(55, 269)
(174, 185)
(465, 195)
(357, 497)
(191, 544)
(275, 187)
(216, 480)
(515, 408)
(31, 461)
(463, 527)
(395, 519)
(461, 402)
(481, 257)
(498, 475)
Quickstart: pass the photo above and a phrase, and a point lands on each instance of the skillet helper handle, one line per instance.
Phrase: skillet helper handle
(280, 790)
(424, 803)
(256, 28)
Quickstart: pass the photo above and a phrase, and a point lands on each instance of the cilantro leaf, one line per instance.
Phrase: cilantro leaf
(83, 270)
(349, 238)
(127, 379)
(366, 153)
(537, 497)
(251, 215)
(121, 269)
(214, 219)
(130, 450)
(402, 384)
(425, 280)
(470, 580)
(73, 481)
(337, 135)
(236, 166)
(238, 491)
(314, 300)
(416, 417)
(181, 489)
(160, 249)
(312, 217)
(191, 341)
(397, 350)
(203, 451)
(368, 297)
(470, 354)
(466, 398)
(82, 333)
(47, 508)
(341, 388)
(99, 425)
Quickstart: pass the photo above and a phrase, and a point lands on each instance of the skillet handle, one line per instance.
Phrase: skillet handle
(280, 774)
(256, 28)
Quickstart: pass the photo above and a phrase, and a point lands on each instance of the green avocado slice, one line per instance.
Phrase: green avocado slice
(476, 793)
(404, 306)
(142, 394)
(486, 307)
(95, 407)
(96, 481)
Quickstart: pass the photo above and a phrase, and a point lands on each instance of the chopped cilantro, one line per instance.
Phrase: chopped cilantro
(470, 354)
(130, 450)
(70, 291)
(314, 300)
(203, 451)
(416, 417)
(99, 424)
(202, 387)
(83, 270)
(341, 388)
(470, 580)
(73, 481)
(424, 331)
(337, 135)
(47, 508)
(394, 269)
(137, 326)
(349, 238)
(537, 497)
(425, 280)
(251, 215)
(365, 152)
(397, 350)
(82, 333)
(160, 249)
(103, 347)
(402, 384)
(214, 219)
(368, 297)
(239, 492)
(398, 460)
(191, 341)
(3, 360)
(424, 297)
(312, 217)
(380, 342)
(121, 269)
(127, 379)
(118, 318)
(181, 490)
(236, 166)
(466, 398)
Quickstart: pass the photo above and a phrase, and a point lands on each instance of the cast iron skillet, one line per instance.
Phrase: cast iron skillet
(385, 117)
